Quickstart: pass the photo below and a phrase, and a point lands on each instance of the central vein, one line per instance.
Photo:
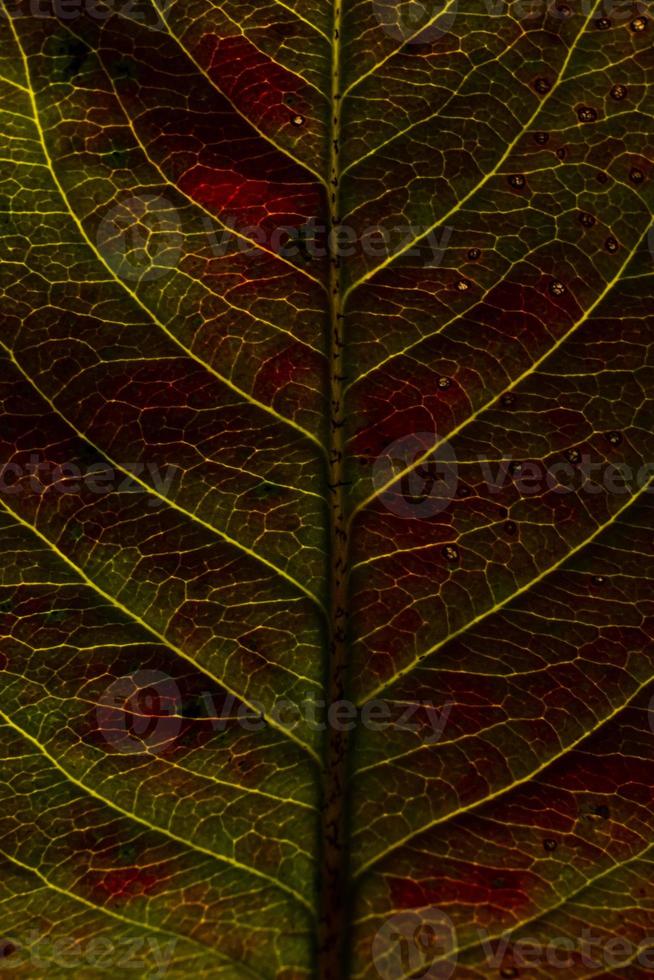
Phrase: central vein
(333, 829)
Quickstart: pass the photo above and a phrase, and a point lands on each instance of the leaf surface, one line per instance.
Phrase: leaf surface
(252, 469)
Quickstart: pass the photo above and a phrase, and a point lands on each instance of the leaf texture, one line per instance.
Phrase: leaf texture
(177, 314)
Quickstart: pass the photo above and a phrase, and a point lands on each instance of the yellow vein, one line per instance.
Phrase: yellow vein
(268, 139)
(515, 381)
(478, 186)
(168, 501)
(192, 845)
(80, 227)
(452, 4)
(112, 600)
(214, 951)
(229, 228)
(544, 912)
(476, 804)
(513, 595)
(305, 20)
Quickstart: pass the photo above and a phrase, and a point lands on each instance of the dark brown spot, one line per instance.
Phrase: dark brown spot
(541, 138)
(603, 23)
(549, 844)
(556, 288)
(297, 120)
(542, 85)
(450, 553)
(586, 219)
(561, 153)
(507, 400)
(573, 455)
(444, 383)
(636, 176)
(510, 527)
(639, 24)
(602, 177)
(619, 92)
(614, 438)
(586, 114)
(611, 244)
(517, 180)
(473, 254)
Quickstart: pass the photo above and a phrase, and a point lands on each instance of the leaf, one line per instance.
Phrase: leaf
(326, 383)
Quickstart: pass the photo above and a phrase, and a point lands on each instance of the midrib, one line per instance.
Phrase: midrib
(332, 927)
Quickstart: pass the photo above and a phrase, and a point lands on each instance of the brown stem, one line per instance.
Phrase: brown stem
(333, 910)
